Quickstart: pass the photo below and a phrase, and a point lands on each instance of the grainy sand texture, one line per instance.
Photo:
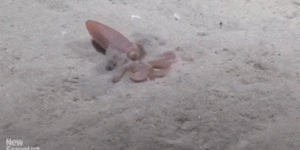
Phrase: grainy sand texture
(235, 86)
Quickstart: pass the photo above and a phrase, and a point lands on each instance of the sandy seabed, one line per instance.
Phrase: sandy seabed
(235, 86)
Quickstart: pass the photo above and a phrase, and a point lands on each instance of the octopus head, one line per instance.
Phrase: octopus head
(135, 52)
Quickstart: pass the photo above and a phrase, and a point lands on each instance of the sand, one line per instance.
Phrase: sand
(235, 85)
